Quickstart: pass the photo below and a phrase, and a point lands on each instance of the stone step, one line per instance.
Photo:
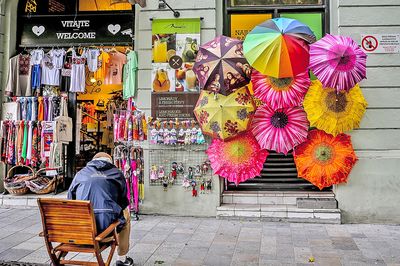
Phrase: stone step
(272, 198)
(278, 213)
(27, 200)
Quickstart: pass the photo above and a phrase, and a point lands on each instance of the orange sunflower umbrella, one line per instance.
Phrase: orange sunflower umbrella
(325, 160)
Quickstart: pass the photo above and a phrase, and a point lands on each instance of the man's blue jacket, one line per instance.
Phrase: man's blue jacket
(104, 186)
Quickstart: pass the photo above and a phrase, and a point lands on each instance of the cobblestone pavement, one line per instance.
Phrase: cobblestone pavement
(160, 240)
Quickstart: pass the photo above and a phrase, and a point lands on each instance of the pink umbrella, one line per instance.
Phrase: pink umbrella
(338, 62)
(280, 92)
(237, 159)
(280, 130)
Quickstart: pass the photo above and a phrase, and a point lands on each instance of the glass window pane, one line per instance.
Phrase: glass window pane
(241, 24)
(47, 7)
(274, 2)
(312, 20)
(104, 5)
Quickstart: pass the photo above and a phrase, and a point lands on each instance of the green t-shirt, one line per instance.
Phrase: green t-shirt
(129, 79)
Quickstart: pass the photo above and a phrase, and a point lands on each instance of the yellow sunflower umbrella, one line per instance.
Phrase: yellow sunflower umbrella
(222, 116)
(334, 112)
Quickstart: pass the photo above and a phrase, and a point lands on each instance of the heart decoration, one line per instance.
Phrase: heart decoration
(38, 30)
(114, 29)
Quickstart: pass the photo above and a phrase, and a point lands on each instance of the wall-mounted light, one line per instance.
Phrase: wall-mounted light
(162, 4)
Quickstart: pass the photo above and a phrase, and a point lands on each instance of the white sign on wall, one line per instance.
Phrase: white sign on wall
(381, 43)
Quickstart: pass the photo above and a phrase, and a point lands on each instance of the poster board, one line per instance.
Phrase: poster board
(175, 89)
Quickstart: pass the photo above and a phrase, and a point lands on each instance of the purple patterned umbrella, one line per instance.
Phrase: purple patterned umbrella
(338, 62)
(221, 67)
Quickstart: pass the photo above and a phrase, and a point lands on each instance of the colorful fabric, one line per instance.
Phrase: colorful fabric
(280, 93)
(238, 159)
(338, 62)
(129, 78)
(325, 160)
(280, 130)
(334, 112)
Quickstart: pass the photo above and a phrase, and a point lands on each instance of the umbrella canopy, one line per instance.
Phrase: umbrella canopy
(237, 159)
(334, 112)
(280, 130)
(338, 62)
(325, 160)
(279, 47)
(225, 116)
(221, 67)
(280, 93)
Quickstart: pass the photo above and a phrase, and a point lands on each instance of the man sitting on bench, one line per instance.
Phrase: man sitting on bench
(101, 183)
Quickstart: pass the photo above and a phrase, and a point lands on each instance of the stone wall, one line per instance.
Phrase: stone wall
(372, 194)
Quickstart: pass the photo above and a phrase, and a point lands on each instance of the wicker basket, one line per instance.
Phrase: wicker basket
(16, 185)
(48, 188)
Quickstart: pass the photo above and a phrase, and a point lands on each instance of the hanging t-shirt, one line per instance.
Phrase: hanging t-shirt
(102, 63)
(51, 67)
(114, 68)
(36, 60)
(19, 76)
(130, 70)
(92, 59)
(78, 72)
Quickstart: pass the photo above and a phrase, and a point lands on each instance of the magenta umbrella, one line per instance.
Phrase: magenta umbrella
(280, 92)
(338, 62)
(280, 130)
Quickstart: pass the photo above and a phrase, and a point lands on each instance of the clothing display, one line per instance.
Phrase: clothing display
(92, 59)
(36, 60)
(52, 63)
(114, 68)
(130, 70)
(19, 76)
(102, 63)
(78, 76)
(21, 143)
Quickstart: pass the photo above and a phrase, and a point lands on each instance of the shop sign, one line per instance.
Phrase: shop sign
(169, 106)
(242, 24)
(175, 88)
(381, 43)
(74, 30)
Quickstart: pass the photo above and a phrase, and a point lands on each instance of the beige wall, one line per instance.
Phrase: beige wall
(372, 193)
(175, 201)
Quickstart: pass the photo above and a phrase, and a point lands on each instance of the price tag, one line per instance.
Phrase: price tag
(51, 173)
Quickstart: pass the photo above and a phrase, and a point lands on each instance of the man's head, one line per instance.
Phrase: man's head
(103, 156)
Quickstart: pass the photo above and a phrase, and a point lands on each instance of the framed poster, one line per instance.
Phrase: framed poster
(175, 88)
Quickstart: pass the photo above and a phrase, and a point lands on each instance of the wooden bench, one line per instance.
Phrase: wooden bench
(72, 226)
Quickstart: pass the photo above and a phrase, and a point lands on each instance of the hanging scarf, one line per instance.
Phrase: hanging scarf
(45, 108)
(35, 156)
(11, 143)
(34, 108)
(29, 147)
(25, 142)
(28, 108)
(40, 109)
(20, 142)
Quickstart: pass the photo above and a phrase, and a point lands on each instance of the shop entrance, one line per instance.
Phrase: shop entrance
(241, 16)
(91, 41)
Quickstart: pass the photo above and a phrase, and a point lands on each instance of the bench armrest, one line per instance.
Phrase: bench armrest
(108, 231)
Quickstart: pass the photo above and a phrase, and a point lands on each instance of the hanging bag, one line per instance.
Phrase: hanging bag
(63, 125)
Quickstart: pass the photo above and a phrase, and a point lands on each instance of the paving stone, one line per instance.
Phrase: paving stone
(14, 254)
(195, 254)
